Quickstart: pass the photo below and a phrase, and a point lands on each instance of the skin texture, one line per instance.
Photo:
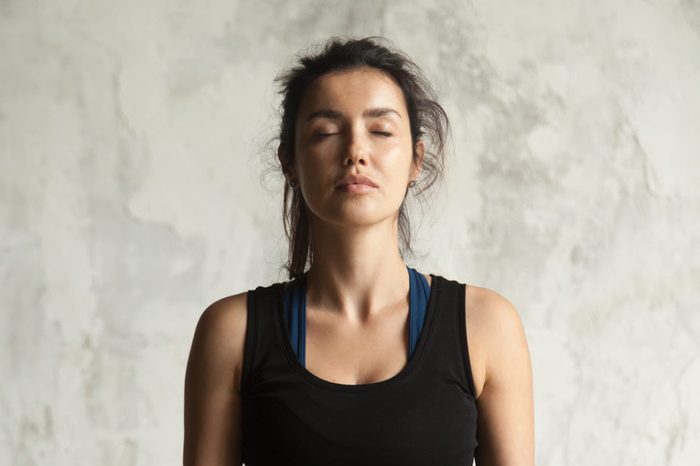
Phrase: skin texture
(358, 286)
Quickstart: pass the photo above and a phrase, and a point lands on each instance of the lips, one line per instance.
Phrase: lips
(357, 179)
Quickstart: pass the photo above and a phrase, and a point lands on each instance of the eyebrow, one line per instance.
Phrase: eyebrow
(335, 115)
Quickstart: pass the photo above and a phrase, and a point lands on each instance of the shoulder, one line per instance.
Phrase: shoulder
(505, 395)
(218, 343)
(228, 311)
(212, 398)
(495, 334)
(490, 308)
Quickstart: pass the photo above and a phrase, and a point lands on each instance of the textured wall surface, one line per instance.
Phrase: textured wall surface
(134, 191)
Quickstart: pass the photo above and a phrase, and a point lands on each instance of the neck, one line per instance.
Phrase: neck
(357, 273)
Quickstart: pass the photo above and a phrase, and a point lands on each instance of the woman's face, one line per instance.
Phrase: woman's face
(354, 122)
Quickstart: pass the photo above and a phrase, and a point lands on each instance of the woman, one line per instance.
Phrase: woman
(360, 359)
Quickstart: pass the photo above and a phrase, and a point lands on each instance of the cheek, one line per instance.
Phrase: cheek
(398, 159)
(315, 168)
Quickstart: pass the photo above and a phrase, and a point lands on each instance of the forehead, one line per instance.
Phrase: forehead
(352, 91)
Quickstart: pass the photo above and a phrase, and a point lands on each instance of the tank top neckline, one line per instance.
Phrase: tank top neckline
(282, 335)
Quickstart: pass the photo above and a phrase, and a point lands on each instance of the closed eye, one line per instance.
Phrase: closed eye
(381, 133)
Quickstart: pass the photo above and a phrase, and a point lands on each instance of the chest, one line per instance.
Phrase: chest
(349, 354)
(353, 354)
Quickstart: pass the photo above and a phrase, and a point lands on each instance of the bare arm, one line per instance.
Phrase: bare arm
(505, 429)
(212, 386)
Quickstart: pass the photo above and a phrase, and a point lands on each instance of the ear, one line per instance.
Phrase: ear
(281, 149)
(284, 161)
(418, 164)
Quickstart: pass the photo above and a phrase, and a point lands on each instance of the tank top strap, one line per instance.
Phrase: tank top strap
(261, 349)
(446, 354)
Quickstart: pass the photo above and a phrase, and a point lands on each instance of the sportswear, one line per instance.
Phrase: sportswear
(425, 415)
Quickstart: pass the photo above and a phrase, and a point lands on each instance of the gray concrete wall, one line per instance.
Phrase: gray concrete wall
(134, 192)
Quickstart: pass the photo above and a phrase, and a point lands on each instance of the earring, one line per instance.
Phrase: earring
(292, 184)
(412, 183)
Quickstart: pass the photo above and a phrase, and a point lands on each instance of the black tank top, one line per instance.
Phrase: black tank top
(424, 415)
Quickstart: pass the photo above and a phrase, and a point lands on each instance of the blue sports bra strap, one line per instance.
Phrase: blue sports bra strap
(419, 295)
(295, 312)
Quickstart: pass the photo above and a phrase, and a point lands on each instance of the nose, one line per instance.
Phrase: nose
(357, 147)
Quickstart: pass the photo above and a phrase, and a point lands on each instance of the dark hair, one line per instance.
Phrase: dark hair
(426, 116)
